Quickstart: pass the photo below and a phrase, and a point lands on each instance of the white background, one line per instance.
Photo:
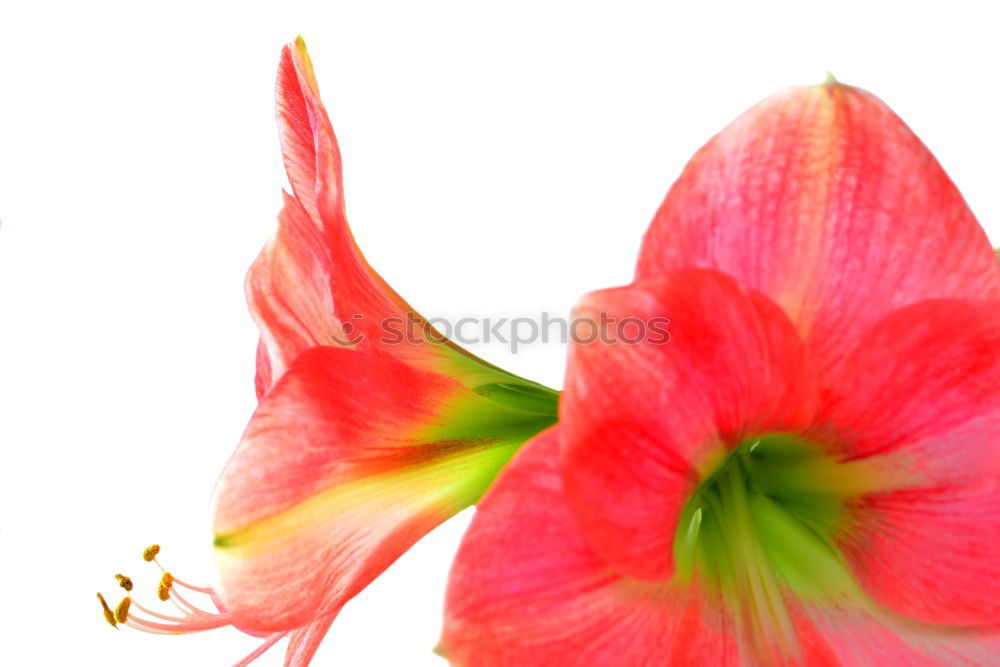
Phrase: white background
(499, 160)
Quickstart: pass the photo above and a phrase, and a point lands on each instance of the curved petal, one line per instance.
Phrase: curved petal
(262, 379)
(920, 398)
(527, 589)
(349, 459)
(643, 423)
(824, 200)
(289, 289)
(303, 643)
(308, 144)
(311, 285)
(838, 635)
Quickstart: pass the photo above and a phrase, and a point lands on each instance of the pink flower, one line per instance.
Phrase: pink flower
(808, 472)
(369, 433)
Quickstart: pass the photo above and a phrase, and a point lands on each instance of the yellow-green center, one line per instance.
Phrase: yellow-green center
(762, 525)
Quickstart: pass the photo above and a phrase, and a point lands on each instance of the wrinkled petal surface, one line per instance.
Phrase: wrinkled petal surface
(527, 589)
(641, 422)
(290, 293)
(349, 459)
(311, 285)
(920, 395)
(823, 199)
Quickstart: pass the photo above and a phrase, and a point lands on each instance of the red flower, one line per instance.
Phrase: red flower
(808, 471)
(371, 428)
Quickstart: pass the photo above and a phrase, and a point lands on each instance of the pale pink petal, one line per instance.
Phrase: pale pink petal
(838, 635)
(304, 642)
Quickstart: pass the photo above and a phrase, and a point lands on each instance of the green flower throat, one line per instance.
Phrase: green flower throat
(762, 525)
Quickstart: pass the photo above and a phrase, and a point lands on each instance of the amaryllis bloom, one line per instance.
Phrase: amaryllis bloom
(370, 431)
(808, 471)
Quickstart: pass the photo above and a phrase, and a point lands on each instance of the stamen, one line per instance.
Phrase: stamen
(759, 528)
(109, 615)
(694, 527)
(121, 611)
(197, 589)
(134, 615)
(163, 589)
(155, 614)
(766, 611)
(191, 618)
(686, 546)
(268, 643)
(186, 626)
(132, 623)
(186, 607)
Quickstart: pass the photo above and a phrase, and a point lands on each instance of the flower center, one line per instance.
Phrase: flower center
(761, 526)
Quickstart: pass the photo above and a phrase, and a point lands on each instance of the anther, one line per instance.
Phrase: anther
(121, 611)
(109, 615)
(149, 553)
(124, 582)
(163, 589)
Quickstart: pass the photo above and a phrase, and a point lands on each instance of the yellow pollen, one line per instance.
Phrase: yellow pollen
(163, 590)
(109, 615)
(149, 553)
(121, 611)
(124, 582)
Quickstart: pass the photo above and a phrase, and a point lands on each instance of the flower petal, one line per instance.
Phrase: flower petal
(527, 589)
(349, 459)
(311, 285)
(308, 145)
(289, 289)
(824, 200)
(642, 423)
(845, 635)
(304, 642)
(920, 398)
